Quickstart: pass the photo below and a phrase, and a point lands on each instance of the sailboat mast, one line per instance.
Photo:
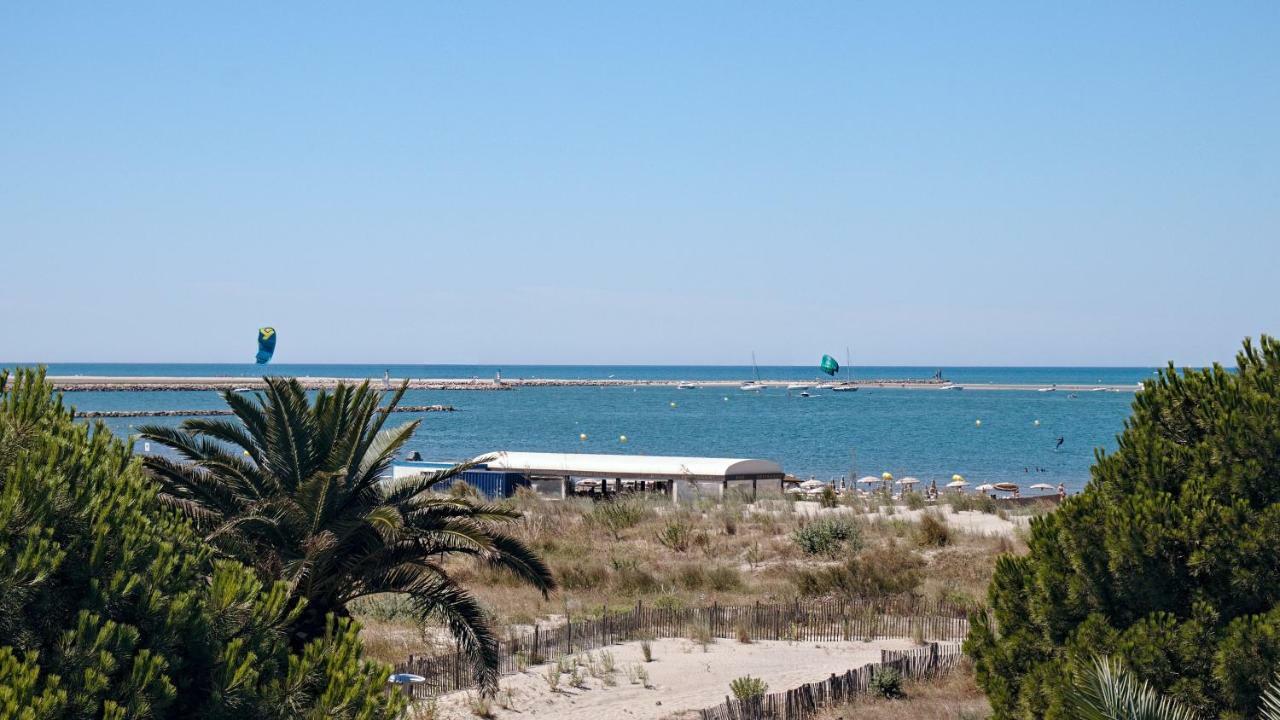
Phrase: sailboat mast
(755, 368)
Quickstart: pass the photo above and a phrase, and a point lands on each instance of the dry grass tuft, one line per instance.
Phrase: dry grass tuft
(954, 696)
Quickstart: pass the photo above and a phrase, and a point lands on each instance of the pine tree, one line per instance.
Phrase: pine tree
(1168, 561)
(111, 606)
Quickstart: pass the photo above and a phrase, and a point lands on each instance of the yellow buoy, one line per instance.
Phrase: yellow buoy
(622, 438)
(582, 436)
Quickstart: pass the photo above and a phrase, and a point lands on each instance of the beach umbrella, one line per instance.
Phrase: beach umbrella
(908, 481)
(1005, 487)
(985, 488)
(1042, 486)
(869, 480)
(957, 483)
(808, 484)
(957, 476)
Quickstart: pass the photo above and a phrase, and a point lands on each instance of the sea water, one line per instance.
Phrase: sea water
(927, 433)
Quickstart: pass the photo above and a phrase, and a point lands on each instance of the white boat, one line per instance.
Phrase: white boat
(845, 387)
(753, 385)
(824, 386)
(1048, 389)
(805, 393)
(242, 389)
(954, 387)
(686, 386)
(797, 386)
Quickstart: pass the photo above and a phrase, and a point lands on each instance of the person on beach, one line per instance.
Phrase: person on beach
(1062, 491)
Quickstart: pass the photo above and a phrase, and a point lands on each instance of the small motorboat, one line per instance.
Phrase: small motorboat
(686, 386)
(751, 387)
(1048, 389)
(797, 386)
(242, 389)
(806, 393)
(845, 387)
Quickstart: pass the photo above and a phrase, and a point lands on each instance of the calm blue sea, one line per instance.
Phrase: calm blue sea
(927, 433)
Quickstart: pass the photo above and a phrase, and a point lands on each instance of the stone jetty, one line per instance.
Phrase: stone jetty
(205, 413)
(78, 383)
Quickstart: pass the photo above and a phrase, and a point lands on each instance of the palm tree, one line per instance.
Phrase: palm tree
(297, 489)
(1107, 691)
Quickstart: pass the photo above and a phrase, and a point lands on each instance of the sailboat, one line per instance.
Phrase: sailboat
(846, 386)
(754, 385)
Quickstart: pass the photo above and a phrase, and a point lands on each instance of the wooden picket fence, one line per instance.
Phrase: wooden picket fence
(807, 700)
(823, 621)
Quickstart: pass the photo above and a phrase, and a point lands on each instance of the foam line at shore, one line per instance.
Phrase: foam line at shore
(162, 383)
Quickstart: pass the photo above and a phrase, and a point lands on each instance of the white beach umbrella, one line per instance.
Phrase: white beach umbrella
(807, 484)
(1042, 486)
(869, 480)
(984, 488)
(908, 481)
(957, 484)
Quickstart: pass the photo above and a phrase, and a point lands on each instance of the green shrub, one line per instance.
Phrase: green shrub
(618, 514)
(112, 606)
(748, 688)
(676, 534)
(828, 536)
(1167, 562)
(886, 682)
(914, 500)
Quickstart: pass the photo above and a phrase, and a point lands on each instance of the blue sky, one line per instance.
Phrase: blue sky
(929, 183)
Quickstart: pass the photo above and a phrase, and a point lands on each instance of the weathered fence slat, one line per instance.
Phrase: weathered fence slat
(821, 621)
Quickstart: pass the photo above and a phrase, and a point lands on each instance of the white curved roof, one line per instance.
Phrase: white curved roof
(645, 466)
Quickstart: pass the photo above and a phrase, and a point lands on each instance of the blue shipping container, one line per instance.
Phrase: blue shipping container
(493, 484)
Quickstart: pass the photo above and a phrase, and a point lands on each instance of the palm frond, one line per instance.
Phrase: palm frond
(1107, 691)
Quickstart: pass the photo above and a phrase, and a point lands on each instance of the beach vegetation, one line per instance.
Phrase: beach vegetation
(295, 488)
(831, 536)
(932, 530)
(747, 688)
(1167, 562)
(876, 572)
(886, 682)
(113, 606)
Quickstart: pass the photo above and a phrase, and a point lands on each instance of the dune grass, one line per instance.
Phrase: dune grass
(611, 555)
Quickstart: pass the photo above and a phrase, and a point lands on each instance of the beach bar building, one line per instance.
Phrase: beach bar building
(562, 474)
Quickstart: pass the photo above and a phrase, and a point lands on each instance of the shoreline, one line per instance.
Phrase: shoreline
(103, 383)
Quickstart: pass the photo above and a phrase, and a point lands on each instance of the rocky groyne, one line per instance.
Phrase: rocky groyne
(204, 413)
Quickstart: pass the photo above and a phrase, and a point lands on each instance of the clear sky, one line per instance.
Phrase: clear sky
(942, 183)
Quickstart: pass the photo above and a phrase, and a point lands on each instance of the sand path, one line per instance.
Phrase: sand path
(682, 678)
